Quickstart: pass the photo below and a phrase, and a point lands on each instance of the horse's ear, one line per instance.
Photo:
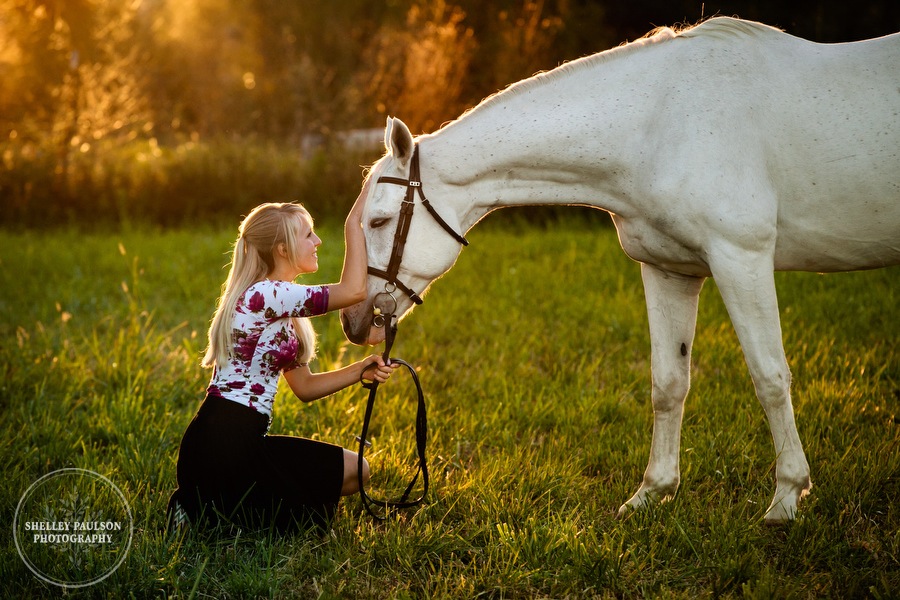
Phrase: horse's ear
(388, 128)
(398, 140)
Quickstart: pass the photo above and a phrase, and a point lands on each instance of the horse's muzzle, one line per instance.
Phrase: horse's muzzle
(358, 329)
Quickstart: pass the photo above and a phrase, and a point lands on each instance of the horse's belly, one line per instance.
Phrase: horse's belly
(832, 251)
(840, 220)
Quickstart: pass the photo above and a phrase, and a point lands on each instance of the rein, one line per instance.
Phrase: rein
(387, 506)
(392, 283)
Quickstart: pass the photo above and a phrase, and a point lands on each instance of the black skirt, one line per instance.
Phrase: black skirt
(231, 471)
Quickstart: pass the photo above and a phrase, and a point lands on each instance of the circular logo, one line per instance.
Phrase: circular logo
(73, 528)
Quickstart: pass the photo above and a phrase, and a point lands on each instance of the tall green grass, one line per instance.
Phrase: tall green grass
(534, 354)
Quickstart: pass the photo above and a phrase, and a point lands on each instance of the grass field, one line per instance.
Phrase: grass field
(534, 354)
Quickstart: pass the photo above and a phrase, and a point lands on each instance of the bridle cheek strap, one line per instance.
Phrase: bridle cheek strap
(407, 207)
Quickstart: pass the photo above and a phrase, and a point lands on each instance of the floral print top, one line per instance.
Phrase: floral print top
(264, 341)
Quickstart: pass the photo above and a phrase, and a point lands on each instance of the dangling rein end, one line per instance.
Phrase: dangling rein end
(387, 507)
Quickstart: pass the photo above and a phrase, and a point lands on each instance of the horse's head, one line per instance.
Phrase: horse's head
(430, 247)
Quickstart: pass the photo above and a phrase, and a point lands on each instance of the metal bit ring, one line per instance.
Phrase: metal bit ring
(378, 315)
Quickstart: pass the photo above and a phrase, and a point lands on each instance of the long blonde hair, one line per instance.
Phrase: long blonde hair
(261, 231)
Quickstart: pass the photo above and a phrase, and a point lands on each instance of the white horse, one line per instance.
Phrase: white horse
(727, 150)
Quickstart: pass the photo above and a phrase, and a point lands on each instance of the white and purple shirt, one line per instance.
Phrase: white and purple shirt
(265, 343)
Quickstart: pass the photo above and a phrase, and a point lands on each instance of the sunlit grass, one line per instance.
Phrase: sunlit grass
(534, 356)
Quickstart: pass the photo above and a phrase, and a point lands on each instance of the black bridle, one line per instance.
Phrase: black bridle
(392, 283)
(412, 184)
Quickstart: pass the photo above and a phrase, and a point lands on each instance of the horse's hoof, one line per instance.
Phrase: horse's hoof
(780, 513)
(784, 506)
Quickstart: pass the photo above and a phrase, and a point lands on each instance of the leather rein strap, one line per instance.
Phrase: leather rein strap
(413, 184)
(387, 506)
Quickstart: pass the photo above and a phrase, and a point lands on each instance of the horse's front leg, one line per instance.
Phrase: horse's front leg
(747, 284)
(672, 310)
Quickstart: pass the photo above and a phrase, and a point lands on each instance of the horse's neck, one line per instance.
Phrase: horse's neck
(512, 154)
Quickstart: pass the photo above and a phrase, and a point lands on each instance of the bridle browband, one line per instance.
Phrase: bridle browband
(392, 283)
(413, 184)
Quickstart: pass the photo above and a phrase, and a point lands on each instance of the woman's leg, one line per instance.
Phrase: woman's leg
(351, 473)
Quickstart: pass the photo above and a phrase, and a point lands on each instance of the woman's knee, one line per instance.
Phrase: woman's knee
(351, 472)
(365, 473)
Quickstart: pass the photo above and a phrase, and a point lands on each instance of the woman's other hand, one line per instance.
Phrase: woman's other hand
(377, 370)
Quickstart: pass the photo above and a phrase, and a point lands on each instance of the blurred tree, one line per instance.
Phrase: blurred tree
(206, 83)
(312, 53)
(416, 69)
(523, 39)
(264, 67)
(518, 38)
(72, 76)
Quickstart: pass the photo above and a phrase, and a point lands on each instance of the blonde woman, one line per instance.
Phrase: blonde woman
(229, 468)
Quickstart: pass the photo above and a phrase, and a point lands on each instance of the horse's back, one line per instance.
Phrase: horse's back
(820, 123)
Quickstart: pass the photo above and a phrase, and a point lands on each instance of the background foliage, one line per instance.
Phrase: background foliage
(165, 110)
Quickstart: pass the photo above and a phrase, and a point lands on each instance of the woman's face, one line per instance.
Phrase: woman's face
(307, 246)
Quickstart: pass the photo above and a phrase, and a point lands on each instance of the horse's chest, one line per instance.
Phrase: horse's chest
(661, 244)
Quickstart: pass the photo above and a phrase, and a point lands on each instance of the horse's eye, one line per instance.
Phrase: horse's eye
(376, 223)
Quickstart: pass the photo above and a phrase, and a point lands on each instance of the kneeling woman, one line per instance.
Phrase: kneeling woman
(229, 468)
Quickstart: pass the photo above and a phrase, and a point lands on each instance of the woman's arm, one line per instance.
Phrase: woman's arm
(309, 386)
(352, 287)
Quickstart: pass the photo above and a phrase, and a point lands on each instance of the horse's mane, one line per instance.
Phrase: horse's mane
(719, 27)
(727, 26)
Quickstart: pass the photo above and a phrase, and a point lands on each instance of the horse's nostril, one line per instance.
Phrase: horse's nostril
(356, 336)
(346, 326)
